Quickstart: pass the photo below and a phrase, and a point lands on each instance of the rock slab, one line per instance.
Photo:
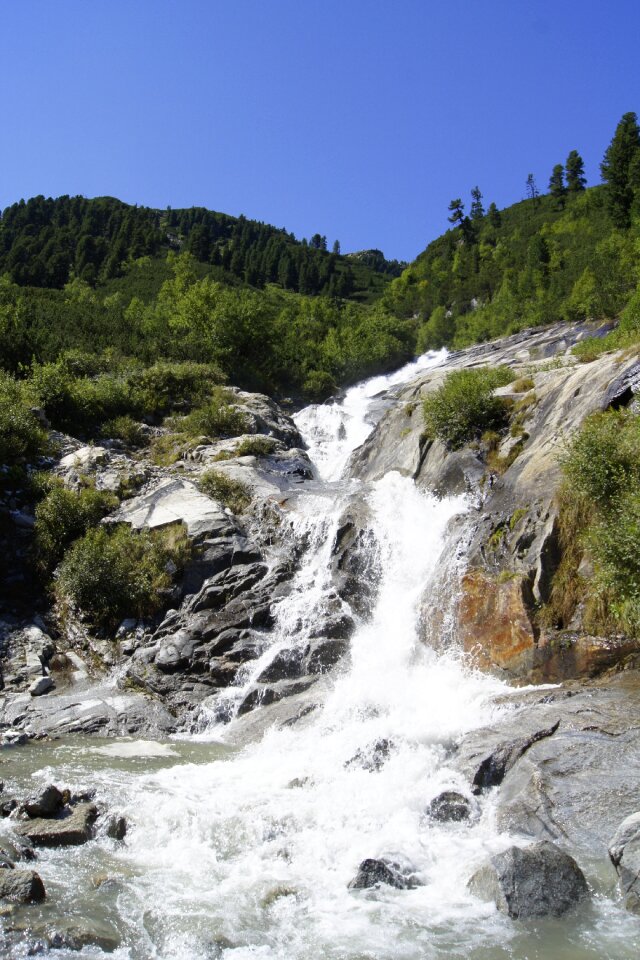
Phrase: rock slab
(624, 850)
(21, 886)
(72, 828)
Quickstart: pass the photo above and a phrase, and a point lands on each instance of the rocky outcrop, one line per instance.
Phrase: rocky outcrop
(70, 827)
(21, 886)
(513, 550)
(539, 881)
(624, 851)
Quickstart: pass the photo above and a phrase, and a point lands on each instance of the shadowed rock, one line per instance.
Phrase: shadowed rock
(373, 873)
(624, 851)
(494, 767)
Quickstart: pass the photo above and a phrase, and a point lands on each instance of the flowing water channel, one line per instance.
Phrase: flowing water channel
(246, 851)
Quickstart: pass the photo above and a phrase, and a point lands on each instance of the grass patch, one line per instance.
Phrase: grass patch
(218, 417)
(232, 493)
(256, 447)
(21, 436)
(522, 384)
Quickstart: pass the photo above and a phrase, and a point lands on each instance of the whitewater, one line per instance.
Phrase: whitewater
(243, 848)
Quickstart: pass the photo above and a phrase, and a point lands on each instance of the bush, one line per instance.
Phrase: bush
(124, 428)
(216, 418)
(79, 405)
(614, 544)
(63, 516)
(20, 433)
(465, 406)
(256, 447)
(604, 456)
(113, 574)
(164, 387)
(232, 493)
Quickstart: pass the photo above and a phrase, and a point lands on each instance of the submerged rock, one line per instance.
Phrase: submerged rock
(539, 881)
(372, 757)
(373, 873)
(624, 851)
(450, 806)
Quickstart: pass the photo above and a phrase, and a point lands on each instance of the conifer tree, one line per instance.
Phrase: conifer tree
(456, 211)
(557, 188)
(494, 215)
(574, 168)
(532, 188)
(615, 168)
(477, 210)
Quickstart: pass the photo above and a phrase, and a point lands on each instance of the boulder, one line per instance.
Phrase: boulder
(117, 828)
(47, 804)
(624, 851)
(21, 886)
(40, 686)
(72, 827)
(373, 873)
(539, 881)
(450, 806)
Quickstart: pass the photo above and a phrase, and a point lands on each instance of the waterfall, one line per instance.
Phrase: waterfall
(244, 850)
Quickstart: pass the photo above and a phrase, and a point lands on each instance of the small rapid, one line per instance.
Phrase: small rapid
(244, 851)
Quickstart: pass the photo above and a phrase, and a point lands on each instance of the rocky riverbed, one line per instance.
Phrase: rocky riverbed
(337, 664)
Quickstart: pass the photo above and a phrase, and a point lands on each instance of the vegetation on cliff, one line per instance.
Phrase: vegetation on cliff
(572, 254)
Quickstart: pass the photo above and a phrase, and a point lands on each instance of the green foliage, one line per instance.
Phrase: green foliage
(165, 386)
(256, 447)
(600, 513)
(63, 516)
(232, 493)
(219, 416)
(110, 574)
(21, 436)
(465, 406)
(603, 458)
(616, 169)
(124, 428)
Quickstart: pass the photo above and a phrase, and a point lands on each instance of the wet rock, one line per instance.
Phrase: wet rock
(372, 757)
(323, 654)
(7, 805)
(17, 848)
(495, 766)
(71, 828)
(74, 934)
(450, 806)
(40, 686)
(264, 696)
(373, 873)
(355, 561)
(48, 804)
(624, 851)
(21, 886)
(117, 828)
(539, 881)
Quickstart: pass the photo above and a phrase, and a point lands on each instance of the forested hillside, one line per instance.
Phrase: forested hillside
(570, 254)
(45, 242)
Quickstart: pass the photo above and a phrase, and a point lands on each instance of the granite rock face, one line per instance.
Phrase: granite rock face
(513, 550)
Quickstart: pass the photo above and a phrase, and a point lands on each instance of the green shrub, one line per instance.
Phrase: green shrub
(218, 417)
(256, 447)
(232, 493)
(111, 574)
(164, 387)
(63, 516)
(318, 386)
(20, 433)
(613, 542)
(79, 405)
(604, 456)
(124, 428)
(465, 406)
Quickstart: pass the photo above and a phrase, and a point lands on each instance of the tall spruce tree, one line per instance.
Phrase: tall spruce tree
(616, 167)
(574, 169)
(557, 188)
(494, 215)
(532, 188)
(477, 210)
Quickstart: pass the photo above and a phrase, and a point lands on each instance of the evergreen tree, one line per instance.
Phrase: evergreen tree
(557, 188)
(615, 168)
(574, 168)
(477, 210)
(456, 211)
(494, 215)
(336, 246)
(532, 188)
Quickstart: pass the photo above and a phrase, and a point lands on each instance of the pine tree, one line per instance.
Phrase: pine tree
(477, 210)
(336, 246)
(574, 168)
(532, 188)
(456, 210)
(615, 168)
(557, 188)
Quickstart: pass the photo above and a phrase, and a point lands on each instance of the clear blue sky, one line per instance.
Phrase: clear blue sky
(359, 119)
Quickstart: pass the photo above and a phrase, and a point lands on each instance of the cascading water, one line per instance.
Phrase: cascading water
(247, 852)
